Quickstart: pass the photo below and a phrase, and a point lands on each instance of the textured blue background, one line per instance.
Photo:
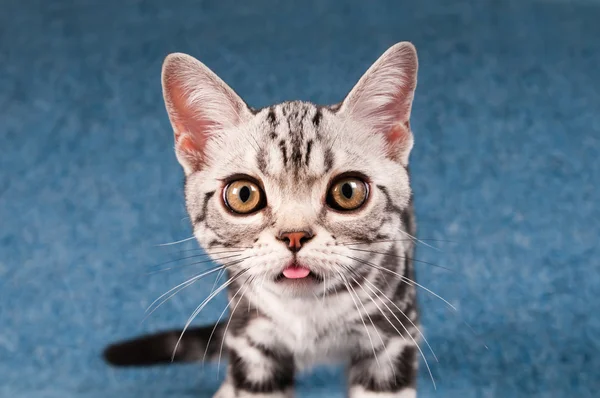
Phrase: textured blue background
(505, 167)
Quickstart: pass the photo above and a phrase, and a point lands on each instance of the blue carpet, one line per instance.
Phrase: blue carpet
(505, 167)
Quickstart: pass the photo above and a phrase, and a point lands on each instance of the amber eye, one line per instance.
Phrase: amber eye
(244, 197)
(348, 193)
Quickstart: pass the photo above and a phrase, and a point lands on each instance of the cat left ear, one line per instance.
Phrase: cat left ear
(200, 106)
(382, 99)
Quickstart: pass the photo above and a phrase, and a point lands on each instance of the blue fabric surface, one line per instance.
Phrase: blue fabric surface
(505, 171)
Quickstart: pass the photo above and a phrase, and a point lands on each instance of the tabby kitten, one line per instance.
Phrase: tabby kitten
(315, 205)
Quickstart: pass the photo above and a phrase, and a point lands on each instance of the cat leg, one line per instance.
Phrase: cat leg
(256, 371)
(227, 390)
(390, 372)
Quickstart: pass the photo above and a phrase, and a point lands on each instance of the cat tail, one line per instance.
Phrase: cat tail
(158, 348)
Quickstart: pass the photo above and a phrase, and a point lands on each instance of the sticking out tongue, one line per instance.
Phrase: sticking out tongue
(296, 272)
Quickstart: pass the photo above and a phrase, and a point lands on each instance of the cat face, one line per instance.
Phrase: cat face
(299, 196)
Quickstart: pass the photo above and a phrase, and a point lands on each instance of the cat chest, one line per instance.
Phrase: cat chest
(316, 343)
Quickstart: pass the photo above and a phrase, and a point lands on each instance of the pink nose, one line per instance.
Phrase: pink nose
(295, 240)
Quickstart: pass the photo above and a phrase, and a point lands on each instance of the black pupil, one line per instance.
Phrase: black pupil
(347, 190)
(244, 194)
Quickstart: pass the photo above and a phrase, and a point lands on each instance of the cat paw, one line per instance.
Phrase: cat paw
(225, 391)
(360, 392)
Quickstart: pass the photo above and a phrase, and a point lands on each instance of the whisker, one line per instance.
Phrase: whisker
(244, 284)
(376, 331)
(396, 329)
(390, 240)
(347, 285)
(217, 247)
(219, 275)
(407, 280)
(415, 239)
(403, 257)
(406, 316)
(201, 307)
(194, 256)
(413, 283)
(177, 242)
(394, 240)
(218, 320)
(186, 284)
(176, 290)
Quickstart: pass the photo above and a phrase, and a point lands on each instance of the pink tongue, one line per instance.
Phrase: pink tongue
(295, 272)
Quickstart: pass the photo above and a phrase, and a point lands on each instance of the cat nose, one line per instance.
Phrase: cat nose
(296, 239)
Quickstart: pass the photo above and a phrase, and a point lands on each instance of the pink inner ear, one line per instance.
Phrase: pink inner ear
(187, 144)
(190, 127)
(398, 138)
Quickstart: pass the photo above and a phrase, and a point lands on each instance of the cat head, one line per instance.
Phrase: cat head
(298, 195)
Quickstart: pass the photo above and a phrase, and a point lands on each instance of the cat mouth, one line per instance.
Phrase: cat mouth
(297, 272)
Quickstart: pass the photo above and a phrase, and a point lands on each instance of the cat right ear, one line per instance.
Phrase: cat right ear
(382, 99)
(200, 106)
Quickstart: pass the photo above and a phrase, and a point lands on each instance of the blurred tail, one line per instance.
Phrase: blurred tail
(157, 349)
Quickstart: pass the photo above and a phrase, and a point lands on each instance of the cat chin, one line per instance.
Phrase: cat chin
(308, 286)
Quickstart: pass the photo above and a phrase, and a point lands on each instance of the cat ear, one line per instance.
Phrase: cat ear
(382, 98)
(200, 105)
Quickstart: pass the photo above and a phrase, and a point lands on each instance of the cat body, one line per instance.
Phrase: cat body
(312, 207)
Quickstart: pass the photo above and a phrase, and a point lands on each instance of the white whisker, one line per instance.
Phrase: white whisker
(404, 327)
(406, 316)
(376, 331)
(415, 239)
(208, 260)
(201, 307)
(177, 242)
(347, 285)
(177, 290)
(186, 284)
(402, 277)
(244, 284)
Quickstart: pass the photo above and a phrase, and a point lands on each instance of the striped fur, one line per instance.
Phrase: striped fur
(362, 311)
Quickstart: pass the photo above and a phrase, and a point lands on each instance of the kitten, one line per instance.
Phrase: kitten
(315, 205)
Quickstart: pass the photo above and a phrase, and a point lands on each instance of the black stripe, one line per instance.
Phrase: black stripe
(385, 320)
(317, 117)
(271, 117)
(281, 379)
(202, 215)
(238, 322)
(301, 121)
(391, 263)
(271, 352)
(283, 152)
(261, 161)
(328, 160)
(308, 149)
(403, 377)
(354, 281)
(226, 242)
(214, 242)
(297, 157)
(390, 206)
(407, 217)
(358, 357)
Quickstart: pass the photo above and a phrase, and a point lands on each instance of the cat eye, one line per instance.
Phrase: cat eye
(348, 193)
(244, 197)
